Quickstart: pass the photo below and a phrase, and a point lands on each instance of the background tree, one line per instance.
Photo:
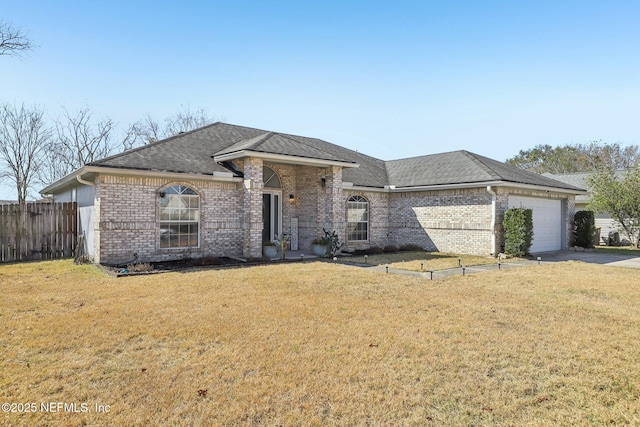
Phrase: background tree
(148, 130)
(78, 140)
(34, 152)
(13, 41)
(598, 156)
(24, 137)
(592, 156)
(619, 196)
(545, 158)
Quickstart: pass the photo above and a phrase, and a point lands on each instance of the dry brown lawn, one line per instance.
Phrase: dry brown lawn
(424, 261)
(321, 344)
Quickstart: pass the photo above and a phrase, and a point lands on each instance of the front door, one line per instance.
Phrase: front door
(271, 215)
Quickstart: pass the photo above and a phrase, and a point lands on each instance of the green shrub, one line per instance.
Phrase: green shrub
(390, 249)
(584, 227)
(518, 231)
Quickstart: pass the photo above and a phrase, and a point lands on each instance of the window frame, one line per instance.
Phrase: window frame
(358, 199)
(183, 192)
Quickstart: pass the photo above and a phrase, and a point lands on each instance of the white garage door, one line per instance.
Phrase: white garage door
(547, 221)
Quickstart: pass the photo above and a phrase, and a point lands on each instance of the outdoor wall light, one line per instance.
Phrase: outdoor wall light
(162, 194)
(323, 180)
(292, 199)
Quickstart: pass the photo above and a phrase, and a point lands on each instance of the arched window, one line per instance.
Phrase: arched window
(357, 219)
(179, 217)
(270, 178)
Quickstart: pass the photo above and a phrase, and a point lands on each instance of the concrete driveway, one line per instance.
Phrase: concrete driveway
(616, 260)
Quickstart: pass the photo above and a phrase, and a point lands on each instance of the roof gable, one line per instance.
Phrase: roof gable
(283, 144)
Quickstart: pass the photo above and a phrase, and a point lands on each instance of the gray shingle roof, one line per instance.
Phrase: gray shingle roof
(189, 152)
(278, 143)
(578, 179)
(192, 152)
(461, 167)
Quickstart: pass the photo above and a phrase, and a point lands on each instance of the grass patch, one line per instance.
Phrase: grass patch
(620, 250)
(413, 261)
(322, 344)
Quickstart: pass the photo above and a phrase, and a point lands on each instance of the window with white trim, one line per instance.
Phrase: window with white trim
(270, 178)
(357, 219)
(179, 218)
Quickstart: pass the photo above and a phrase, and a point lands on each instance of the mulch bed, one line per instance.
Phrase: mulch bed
(182, 265)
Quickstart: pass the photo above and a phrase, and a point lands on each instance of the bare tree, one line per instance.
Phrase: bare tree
(79, 140)
(145, 131)
(24, 137)
(148, 130)
(13, 41)
(185, 121)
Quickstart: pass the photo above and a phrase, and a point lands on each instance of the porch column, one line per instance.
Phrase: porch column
(336, 205)
(252, 208)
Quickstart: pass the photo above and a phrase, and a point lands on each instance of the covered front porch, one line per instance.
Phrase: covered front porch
(289, 195)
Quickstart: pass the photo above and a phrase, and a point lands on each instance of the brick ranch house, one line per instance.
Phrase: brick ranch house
(222, 189)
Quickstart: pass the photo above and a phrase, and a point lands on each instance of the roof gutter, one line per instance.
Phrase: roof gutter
(446, 186)
(283, 158)
(544, 188)
(82, 181)
(78, 174)
(68, 179)
(395, 189)
(489, 183)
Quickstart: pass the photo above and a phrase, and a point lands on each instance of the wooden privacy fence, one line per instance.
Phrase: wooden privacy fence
(35, 231)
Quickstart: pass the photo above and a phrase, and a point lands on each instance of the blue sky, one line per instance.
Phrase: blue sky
(390, 79)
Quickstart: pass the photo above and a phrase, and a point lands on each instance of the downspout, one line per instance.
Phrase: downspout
(493, 219)
(82, 181)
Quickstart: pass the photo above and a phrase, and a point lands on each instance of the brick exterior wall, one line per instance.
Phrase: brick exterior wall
(126, 217)
(378, 218)
(459, 221)
(447, 221)
(127, 220)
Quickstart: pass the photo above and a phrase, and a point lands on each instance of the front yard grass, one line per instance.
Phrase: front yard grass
(322, 344)
(620, 250)
(423, 261)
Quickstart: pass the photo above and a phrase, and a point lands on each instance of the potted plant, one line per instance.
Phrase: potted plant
(282, 242)
(269, 249)
(319, 246)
